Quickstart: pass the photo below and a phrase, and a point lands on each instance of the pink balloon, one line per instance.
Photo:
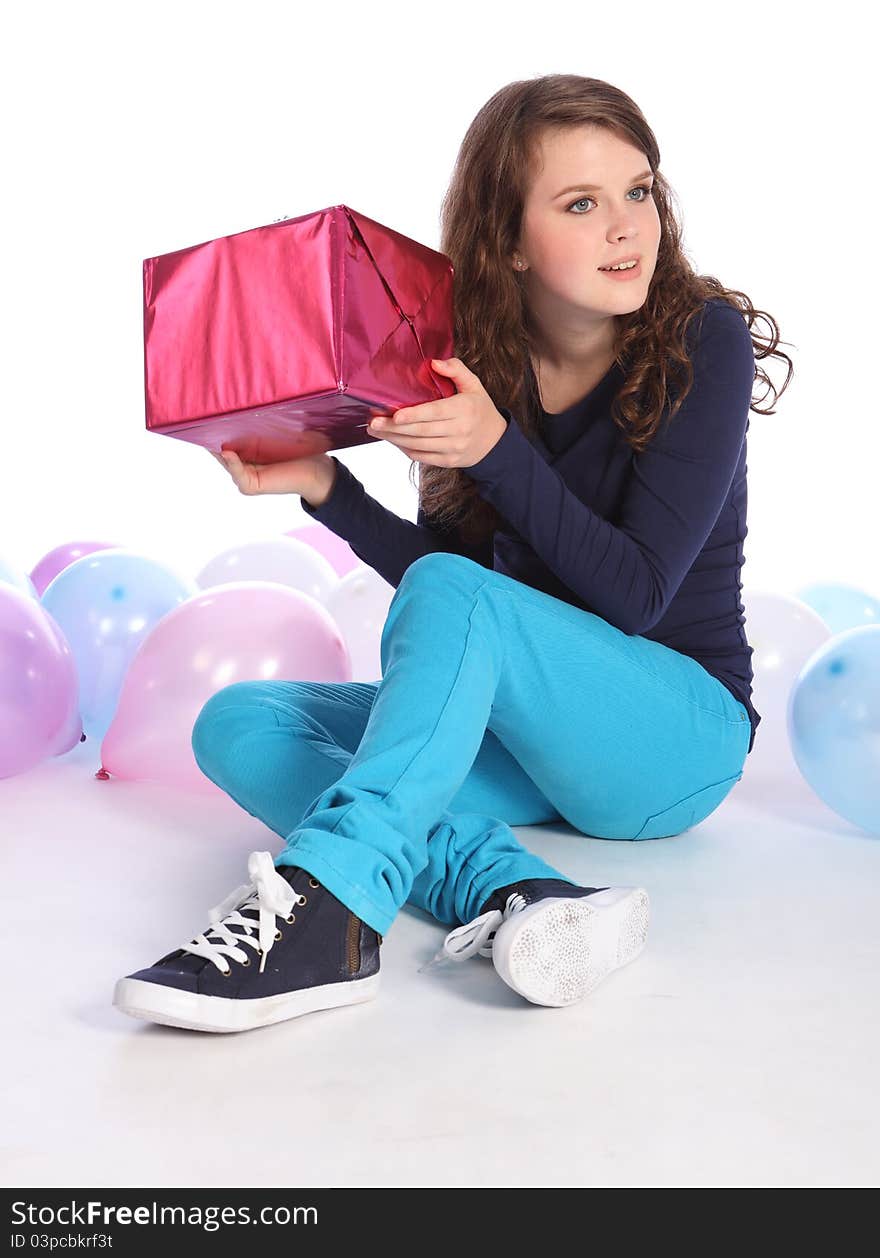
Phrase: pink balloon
(240, 631)
(39, 688)
(333, 548)
(57, 560)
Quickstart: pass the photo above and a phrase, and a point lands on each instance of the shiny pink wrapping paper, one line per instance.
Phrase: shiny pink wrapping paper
(285, 340)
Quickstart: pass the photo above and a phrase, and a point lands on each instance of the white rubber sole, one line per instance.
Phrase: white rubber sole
(556, 951)
(173, 1007)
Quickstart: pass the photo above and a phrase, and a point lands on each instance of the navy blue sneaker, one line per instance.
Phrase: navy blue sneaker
(278, 946)
(550, 940)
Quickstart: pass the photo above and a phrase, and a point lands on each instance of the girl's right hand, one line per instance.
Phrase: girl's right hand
(311, 476)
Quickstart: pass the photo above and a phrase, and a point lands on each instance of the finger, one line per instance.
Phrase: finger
(233, 465)
(439, 428)
(423, 413)
(421, 439)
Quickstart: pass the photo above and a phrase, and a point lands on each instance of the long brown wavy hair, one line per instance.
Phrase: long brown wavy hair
(480, 226)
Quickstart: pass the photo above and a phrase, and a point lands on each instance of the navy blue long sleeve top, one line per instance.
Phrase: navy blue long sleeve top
(651, 542)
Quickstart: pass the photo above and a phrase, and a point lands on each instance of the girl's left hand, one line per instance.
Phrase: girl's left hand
(454, 431)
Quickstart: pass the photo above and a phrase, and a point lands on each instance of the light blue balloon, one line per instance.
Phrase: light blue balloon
(107, 603)
(841, 606)
(18, 579)
(834, 724)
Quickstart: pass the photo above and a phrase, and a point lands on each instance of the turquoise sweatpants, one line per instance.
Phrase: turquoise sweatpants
(499, 705)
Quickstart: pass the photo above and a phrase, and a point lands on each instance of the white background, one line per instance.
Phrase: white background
(134, 132)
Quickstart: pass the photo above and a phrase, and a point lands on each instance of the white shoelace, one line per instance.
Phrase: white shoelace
(267, 892)
(475, 936)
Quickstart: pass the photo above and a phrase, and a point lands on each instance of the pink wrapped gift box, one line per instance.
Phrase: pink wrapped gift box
(285, 340)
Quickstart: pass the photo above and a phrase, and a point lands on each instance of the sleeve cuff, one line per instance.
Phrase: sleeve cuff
(336, 509)
(505, 456)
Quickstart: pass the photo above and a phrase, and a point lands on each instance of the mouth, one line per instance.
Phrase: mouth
(631, 273)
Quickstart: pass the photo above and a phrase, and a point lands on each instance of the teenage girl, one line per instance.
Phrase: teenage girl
(566, 640)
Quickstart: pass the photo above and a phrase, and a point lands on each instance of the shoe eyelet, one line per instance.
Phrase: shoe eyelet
(292, 918)
(303, 899)
(278, 934)
(313, 882)
(246, 961)
(226, 973)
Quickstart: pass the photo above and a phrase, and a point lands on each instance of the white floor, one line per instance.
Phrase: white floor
(741, 1048)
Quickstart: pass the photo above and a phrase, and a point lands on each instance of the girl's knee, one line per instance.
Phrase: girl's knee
(234, 695)
(234, 708)
(688, 812)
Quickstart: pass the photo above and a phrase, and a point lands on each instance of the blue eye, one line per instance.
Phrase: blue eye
(642, 187)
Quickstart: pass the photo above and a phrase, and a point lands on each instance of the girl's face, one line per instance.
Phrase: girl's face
(570, 229)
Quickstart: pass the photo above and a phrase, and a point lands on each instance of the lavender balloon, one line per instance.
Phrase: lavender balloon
(39, 714)
(334, 549)
(55, 561)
